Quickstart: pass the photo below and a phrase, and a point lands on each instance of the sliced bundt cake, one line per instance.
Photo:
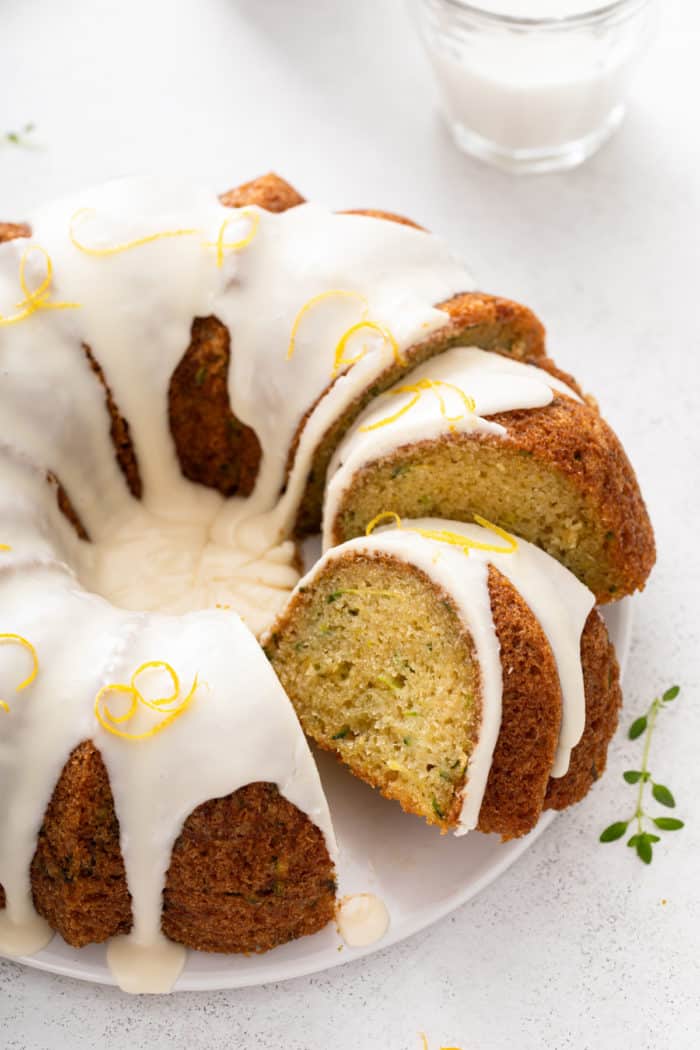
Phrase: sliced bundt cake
(471, 433)
(165, 336)
(474, 684)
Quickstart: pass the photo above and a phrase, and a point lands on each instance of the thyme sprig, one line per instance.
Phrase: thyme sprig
(19, 138)
(643, 840)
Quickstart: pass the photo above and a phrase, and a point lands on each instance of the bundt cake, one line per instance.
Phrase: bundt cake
(473, 433)
(458, 669)
(178, 370)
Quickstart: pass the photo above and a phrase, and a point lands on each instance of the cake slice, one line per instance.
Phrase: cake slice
(472, 433)
(455, 679)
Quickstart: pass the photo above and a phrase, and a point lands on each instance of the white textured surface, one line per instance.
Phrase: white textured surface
(572, 948)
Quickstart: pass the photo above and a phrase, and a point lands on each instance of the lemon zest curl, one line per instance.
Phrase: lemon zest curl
(19, 640)
(365, 322)
(38, 298)
(454, 539)
(117, 249)
(220, 243)
(111, 721)
(339, 362)
(417, 389)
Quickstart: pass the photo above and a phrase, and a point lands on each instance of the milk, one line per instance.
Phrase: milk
(524, 90)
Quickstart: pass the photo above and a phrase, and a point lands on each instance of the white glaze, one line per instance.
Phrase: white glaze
(557, 599)
(183, 547)
(362, 919)
(494, 382)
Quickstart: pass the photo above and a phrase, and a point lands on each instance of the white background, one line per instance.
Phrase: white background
(579, 945)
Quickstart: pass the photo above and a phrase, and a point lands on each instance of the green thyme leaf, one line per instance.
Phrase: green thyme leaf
(671, 693)
(644, 850)
(638, 727)
(17, 138)
(633, 776)
(669, 823)
(614, 831)
(663, 795)
(341, 734)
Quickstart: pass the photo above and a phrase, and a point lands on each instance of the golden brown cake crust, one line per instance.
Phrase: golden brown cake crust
(213, 447)
(11, 231)
(77, 874)
(601, 678)
(119, 431)
(375, 213)
(248, 871)
(580, 445)
(66, 507)
(267, 191)
(530, 718)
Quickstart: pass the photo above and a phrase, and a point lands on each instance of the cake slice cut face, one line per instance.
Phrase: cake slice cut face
(447, 675)
(472, 433)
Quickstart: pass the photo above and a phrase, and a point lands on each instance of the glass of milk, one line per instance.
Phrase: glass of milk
(533, 85)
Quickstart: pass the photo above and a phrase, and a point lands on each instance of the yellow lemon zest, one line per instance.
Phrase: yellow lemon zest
(417, 389)
(38, 298)
(454, 539)
(157, 665)
(19, 640)
(5, 547)
(393, 418)
(109, 720)
(339, 361)
(507, 536)
(344, 293)
(116, 249)
(424, 1039)
(385, 515)
(221, 245)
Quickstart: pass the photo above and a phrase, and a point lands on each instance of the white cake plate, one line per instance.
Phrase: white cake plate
(420, 875)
